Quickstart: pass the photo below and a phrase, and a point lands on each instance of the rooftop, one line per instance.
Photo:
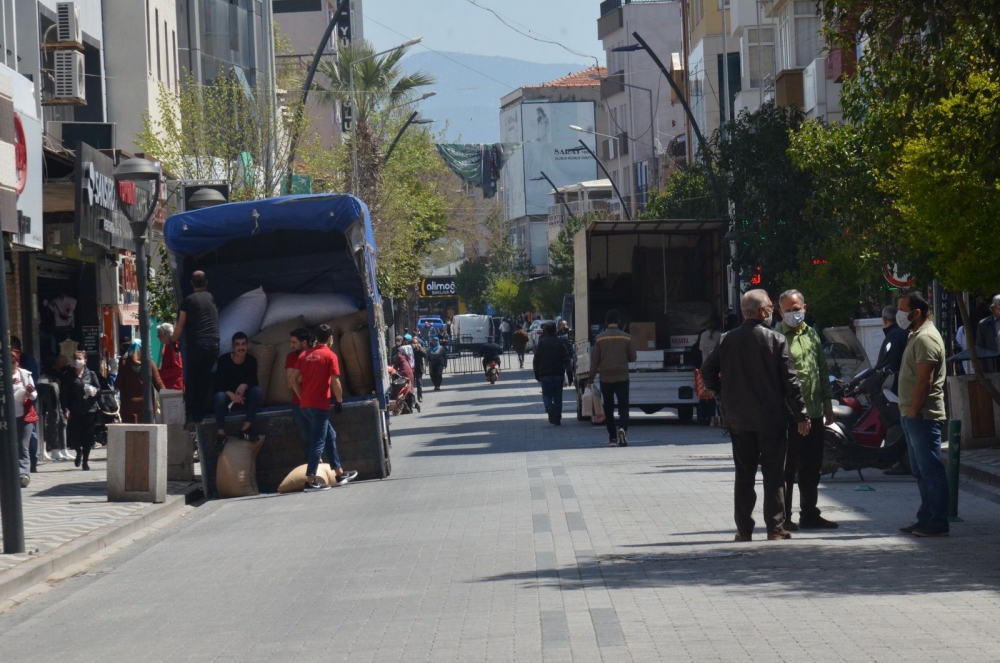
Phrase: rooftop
(578, 79)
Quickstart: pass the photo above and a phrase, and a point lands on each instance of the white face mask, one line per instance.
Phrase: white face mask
(903, 319)
(794, 318)
(78, 363)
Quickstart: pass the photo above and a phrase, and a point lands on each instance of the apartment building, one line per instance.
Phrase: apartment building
(709, 44)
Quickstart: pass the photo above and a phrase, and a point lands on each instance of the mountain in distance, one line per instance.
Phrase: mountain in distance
(469, 89)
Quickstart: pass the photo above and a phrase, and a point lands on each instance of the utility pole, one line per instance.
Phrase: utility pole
(628, 214)
(11, 513)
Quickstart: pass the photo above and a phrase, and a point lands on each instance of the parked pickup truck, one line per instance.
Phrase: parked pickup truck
(299, 245)
(666, 280)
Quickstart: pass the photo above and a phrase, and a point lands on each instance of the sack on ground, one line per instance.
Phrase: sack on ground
(296, 480)
(236, 469)
(357, 364)
(244, 314)
(598, 407)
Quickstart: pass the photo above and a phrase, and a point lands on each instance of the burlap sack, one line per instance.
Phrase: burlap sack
(295, 482)
(348, 323)
(357, 349)
(236, 469)
(277, 392)
(264, 354)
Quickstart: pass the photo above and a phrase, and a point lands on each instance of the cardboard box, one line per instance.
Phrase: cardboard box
(643, 335)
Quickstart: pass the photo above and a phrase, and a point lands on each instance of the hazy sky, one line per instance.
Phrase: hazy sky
(460, 26)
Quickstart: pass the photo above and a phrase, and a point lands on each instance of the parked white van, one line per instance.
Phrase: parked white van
(471, 329)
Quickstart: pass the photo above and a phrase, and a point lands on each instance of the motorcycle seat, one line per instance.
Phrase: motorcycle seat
(845, 414)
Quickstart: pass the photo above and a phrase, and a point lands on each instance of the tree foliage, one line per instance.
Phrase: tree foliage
(686, 195)
(509, 295)
(471, 281)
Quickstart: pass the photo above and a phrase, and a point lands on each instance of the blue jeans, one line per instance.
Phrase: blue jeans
(923, 440)
(252, 400)
(322, 438)
(552, 388)
(303, 426)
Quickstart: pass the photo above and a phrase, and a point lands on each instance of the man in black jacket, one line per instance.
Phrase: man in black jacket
(988, 329)
(236, 388)
(754, 375)
(893, 345)
(549, 362)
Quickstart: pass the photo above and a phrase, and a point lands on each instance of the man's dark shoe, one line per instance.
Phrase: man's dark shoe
(316, 486)
(220, 442)
(930, 532)
(347, 477)
(778, 535)
(250, 435)
(819, 522)
(557, 421)
(742, 538)
(909, 529)
(790, 526)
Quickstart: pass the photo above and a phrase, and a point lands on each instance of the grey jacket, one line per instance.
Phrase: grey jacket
(755, 378)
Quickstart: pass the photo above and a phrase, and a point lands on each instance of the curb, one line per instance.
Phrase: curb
(36, 571)
(979, 472)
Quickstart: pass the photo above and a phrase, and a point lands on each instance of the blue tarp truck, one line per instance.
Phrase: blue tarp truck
(306, 244)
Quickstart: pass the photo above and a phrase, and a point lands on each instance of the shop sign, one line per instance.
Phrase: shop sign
(99, 218)
(437, 286)
(27, 229)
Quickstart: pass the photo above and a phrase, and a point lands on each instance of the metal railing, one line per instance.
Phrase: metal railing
(466, 361)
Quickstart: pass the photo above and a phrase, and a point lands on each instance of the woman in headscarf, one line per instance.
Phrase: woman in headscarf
(130, 385)
(79, 401)
(171, 366)
(24, 393)
(437, 358)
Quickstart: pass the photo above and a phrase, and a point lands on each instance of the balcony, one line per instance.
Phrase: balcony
(610, 22)
(557, 213)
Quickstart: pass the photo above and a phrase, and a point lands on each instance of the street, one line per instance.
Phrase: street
(501, 538)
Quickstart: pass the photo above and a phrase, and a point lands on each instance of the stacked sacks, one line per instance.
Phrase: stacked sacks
(277, 336)
(352, 344)
(236, 469)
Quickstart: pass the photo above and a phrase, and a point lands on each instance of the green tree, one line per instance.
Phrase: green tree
(562, 251)
(686, 195)
(471, 281)
(508, 295)
(547, 294)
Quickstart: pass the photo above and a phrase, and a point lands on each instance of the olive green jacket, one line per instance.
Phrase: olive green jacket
(806, 348)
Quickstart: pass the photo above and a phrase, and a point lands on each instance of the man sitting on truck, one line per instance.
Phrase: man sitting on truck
(490, 351)
(612, 353)
(236, 385)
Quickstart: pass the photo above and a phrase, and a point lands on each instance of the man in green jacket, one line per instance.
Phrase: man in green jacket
(805, 452)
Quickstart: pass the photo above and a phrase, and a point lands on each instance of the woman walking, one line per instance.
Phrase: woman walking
(24, 411)
(79, 402)
(437, 359)
(130, 384)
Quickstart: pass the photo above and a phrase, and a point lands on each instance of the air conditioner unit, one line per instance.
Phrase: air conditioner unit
(71, 82)
(68, 22)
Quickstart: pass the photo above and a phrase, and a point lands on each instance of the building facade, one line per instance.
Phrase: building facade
(219, 37)
(709, 45)
(539, 118)
(645, 116)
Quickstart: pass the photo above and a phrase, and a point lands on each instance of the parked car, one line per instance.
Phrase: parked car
(534, 332)
(436, 322)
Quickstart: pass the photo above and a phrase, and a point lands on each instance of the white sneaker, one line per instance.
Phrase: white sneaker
(65, 455)
(46, 457)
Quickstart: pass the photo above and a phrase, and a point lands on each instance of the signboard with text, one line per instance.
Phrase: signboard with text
(99, 218)
(437, 286)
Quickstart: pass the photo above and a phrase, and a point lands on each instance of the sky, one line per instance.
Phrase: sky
(460, 26)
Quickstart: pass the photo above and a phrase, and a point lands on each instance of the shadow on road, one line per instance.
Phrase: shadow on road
(81, 489)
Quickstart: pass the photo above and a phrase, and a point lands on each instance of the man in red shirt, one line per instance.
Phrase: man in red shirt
(317, 375)
(299, 342)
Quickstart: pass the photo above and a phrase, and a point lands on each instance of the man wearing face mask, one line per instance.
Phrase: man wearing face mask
(894, 344)
(921, 402)
(805, 452)
(755, 378)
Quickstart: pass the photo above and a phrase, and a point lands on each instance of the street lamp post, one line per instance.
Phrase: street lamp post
(354, 106)
(413, 119)
(628, 214)
(141, 170)
(559, 195)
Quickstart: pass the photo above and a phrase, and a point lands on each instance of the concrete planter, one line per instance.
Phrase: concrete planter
(137, 463)
(973, 406)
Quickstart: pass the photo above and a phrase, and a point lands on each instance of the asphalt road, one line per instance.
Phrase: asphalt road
(501, 538)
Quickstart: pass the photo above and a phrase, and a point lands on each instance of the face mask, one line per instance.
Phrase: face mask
(794, 318)
(768, 319)
(903, 319)
(78, 363)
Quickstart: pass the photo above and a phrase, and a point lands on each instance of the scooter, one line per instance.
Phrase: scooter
(402, 400)
(493, 372)
(867, 431)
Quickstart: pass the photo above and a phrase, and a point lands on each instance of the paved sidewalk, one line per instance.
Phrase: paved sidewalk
(501, 538)
(64, 504)
(982, 465)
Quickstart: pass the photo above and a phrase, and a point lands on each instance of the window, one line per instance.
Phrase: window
(177, 72)
(808, 40)
(159, 75)
(149, 42)
(166, 45)
(760, 55)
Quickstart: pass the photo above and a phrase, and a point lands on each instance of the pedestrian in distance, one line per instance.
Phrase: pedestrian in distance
(804, 457)
(25, 414)
(437, 360)
(921, 404)
(79, 391)
(753, 373)
(610, 359)
(549, 365)
(894, 344)
(130, 385)
(707, 341)
(198, 323)
(236, 388)
(506, 331)
(30, 364)
(565, 335)
(407, 350)
(298, 344)
(171, 364)
(317, 376)
(988, 329)
(419, 363)
(519, 339)
(490, 351)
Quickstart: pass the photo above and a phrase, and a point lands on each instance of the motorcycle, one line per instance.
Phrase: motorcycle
(402, 400)
(493, 372)
(867, 431)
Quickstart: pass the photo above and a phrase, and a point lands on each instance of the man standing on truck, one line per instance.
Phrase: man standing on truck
(317, 375)
(612, 353)
(805, 453)
(753, 373)
(198, 321)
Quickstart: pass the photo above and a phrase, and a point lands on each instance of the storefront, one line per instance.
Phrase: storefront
(437, 297)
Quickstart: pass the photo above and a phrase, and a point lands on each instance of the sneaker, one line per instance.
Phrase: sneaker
(790, 526)
(65, 455)
(819, 522)
(25, 480)
(347, 477)
(612, 442)
(250, 435)
(622, 440)
(557, 421)
(315, 486)
(909, 529)
(930, 532)
(778, 535)
(46, 457)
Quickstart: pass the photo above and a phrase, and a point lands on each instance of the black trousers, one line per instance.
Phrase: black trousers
(420, 387)
(805, 457)
(437, 372)
(611, 391)
(753, 449)
(198, 378)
